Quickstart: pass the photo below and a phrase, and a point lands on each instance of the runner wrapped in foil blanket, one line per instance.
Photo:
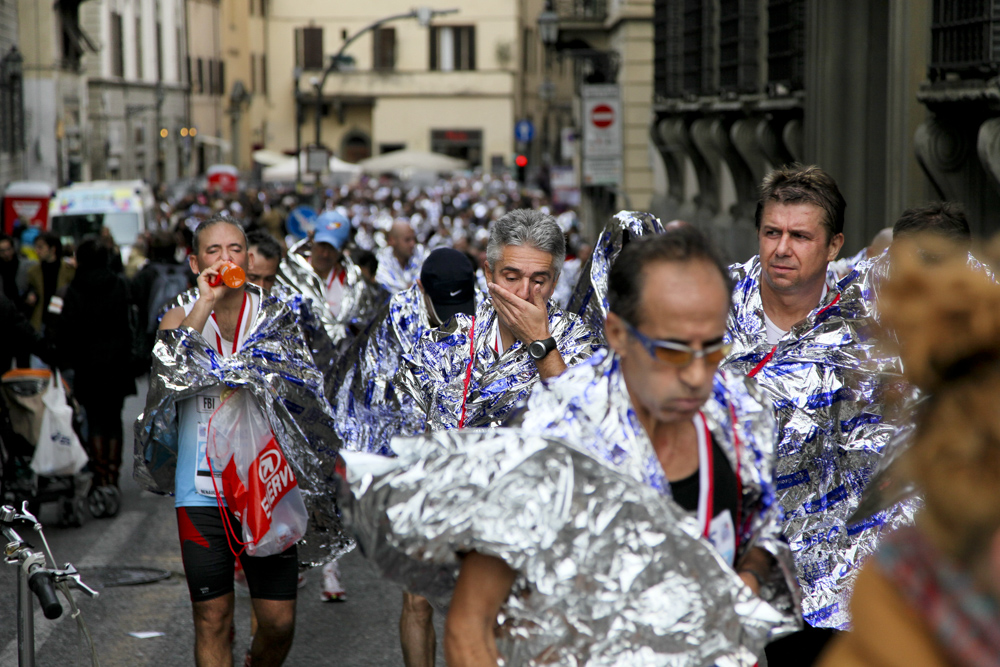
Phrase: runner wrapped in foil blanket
(393, 277)
(590, 297)
(369, 411)
(829, 381)
(589, 405)
(609, 571)
(450, 392)
(360, 303)
(276, 366)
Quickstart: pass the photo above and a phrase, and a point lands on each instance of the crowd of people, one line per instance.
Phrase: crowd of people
(636, 455)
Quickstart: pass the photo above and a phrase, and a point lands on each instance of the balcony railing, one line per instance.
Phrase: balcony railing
(581, 10)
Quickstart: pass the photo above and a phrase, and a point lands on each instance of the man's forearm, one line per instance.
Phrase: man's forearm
(198, 317)
(551, 366)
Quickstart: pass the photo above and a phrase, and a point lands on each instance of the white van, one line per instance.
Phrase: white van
(126, 208)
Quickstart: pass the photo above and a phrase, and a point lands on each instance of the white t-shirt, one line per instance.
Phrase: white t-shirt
(776, 333)
(335, 290)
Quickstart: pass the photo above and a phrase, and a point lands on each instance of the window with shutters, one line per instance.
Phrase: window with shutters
(453, 48)
(117, 52)
(222, 78)
(309, 47)
(200, 75)
(384, 44)
(786, 37)
(263, 73)
(253, 72)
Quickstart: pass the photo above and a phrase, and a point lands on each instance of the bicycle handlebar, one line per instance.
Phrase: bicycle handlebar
(40, 583)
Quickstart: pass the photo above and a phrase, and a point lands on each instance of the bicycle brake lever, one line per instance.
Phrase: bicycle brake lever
(70, 574)
(75, 579)
(27, 515)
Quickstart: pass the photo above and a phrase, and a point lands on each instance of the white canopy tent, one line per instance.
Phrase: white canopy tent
(412, 161)
(285, 171)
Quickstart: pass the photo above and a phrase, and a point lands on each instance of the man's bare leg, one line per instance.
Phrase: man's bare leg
(416, 631)
(275, 630)
(213, 620)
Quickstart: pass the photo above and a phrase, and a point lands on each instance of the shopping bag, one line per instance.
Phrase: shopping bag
(257, 482)
(58, 451)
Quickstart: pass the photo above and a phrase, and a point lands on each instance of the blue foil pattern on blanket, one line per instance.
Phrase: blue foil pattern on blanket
(433, 373)
(828, 379)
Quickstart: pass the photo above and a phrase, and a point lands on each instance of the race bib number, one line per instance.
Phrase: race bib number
(722, 535)
(206, 405)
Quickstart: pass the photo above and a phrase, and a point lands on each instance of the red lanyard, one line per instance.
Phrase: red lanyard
(335, 275)
(706, 487)
(239, 326)
(763, 362)
(468, 371)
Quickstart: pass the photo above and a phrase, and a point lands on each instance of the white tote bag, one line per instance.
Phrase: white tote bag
(58, 451)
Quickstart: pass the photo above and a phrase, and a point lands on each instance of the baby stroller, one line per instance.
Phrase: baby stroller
(21, 411)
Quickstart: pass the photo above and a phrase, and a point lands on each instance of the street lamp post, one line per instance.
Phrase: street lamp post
(548, 25)
(422, 14)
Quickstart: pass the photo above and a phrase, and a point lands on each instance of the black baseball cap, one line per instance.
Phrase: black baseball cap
(449, 279)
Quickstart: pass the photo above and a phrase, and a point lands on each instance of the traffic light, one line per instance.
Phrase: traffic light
(520, 167)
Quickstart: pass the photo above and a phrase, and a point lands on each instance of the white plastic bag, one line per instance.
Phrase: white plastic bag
(58, 450)
(257, 482)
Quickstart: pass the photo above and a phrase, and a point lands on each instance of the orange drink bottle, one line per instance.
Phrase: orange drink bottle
(230, 274)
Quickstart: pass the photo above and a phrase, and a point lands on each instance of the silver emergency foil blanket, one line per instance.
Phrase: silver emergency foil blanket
(590, 297)
(608, 571)
(360, 303)
(276, 365)
(395, 278)
(369, 411)
(830, 382)
(589, 406)
(888, 486)
(434, 373)
(310, 319)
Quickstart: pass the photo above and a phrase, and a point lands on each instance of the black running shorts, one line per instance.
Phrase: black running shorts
(209, 563)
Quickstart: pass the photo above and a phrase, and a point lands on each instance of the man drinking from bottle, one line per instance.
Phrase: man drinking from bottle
(224, 313)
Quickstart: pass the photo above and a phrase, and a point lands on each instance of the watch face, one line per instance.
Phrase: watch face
(537, 349)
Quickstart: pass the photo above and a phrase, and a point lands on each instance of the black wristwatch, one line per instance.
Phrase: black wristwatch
(540, 348)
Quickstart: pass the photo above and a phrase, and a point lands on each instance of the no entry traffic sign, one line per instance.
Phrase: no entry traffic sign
(602, 116)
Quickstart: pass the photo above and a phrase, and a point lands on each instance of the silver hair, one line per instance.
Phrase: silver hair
(526, 227)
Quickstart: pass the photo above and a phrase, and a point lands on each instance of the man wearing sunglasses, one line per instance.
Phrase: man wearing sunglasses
(655, 408)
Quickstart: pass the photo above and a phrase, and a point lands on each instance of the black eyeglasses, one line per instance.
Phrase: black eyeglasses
(678, 354)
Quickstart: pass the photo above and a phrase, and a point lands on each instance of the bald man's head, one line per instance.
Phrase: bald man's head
(402, 239)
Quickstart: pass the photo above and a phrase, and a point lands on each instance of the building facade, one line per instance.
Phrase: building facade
(609, 45)
(55, 128)
(743, 86)
(450, 86)
(204, 69)
(248, 96)
(137, 92)
(12, 115)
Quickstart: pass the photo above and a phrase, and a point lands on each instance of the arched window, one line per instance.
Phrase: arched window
(355, 146)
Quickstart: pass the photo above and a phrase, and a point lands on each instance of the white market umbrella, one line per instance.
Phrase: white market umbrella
(285, 171)
(412, 160)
